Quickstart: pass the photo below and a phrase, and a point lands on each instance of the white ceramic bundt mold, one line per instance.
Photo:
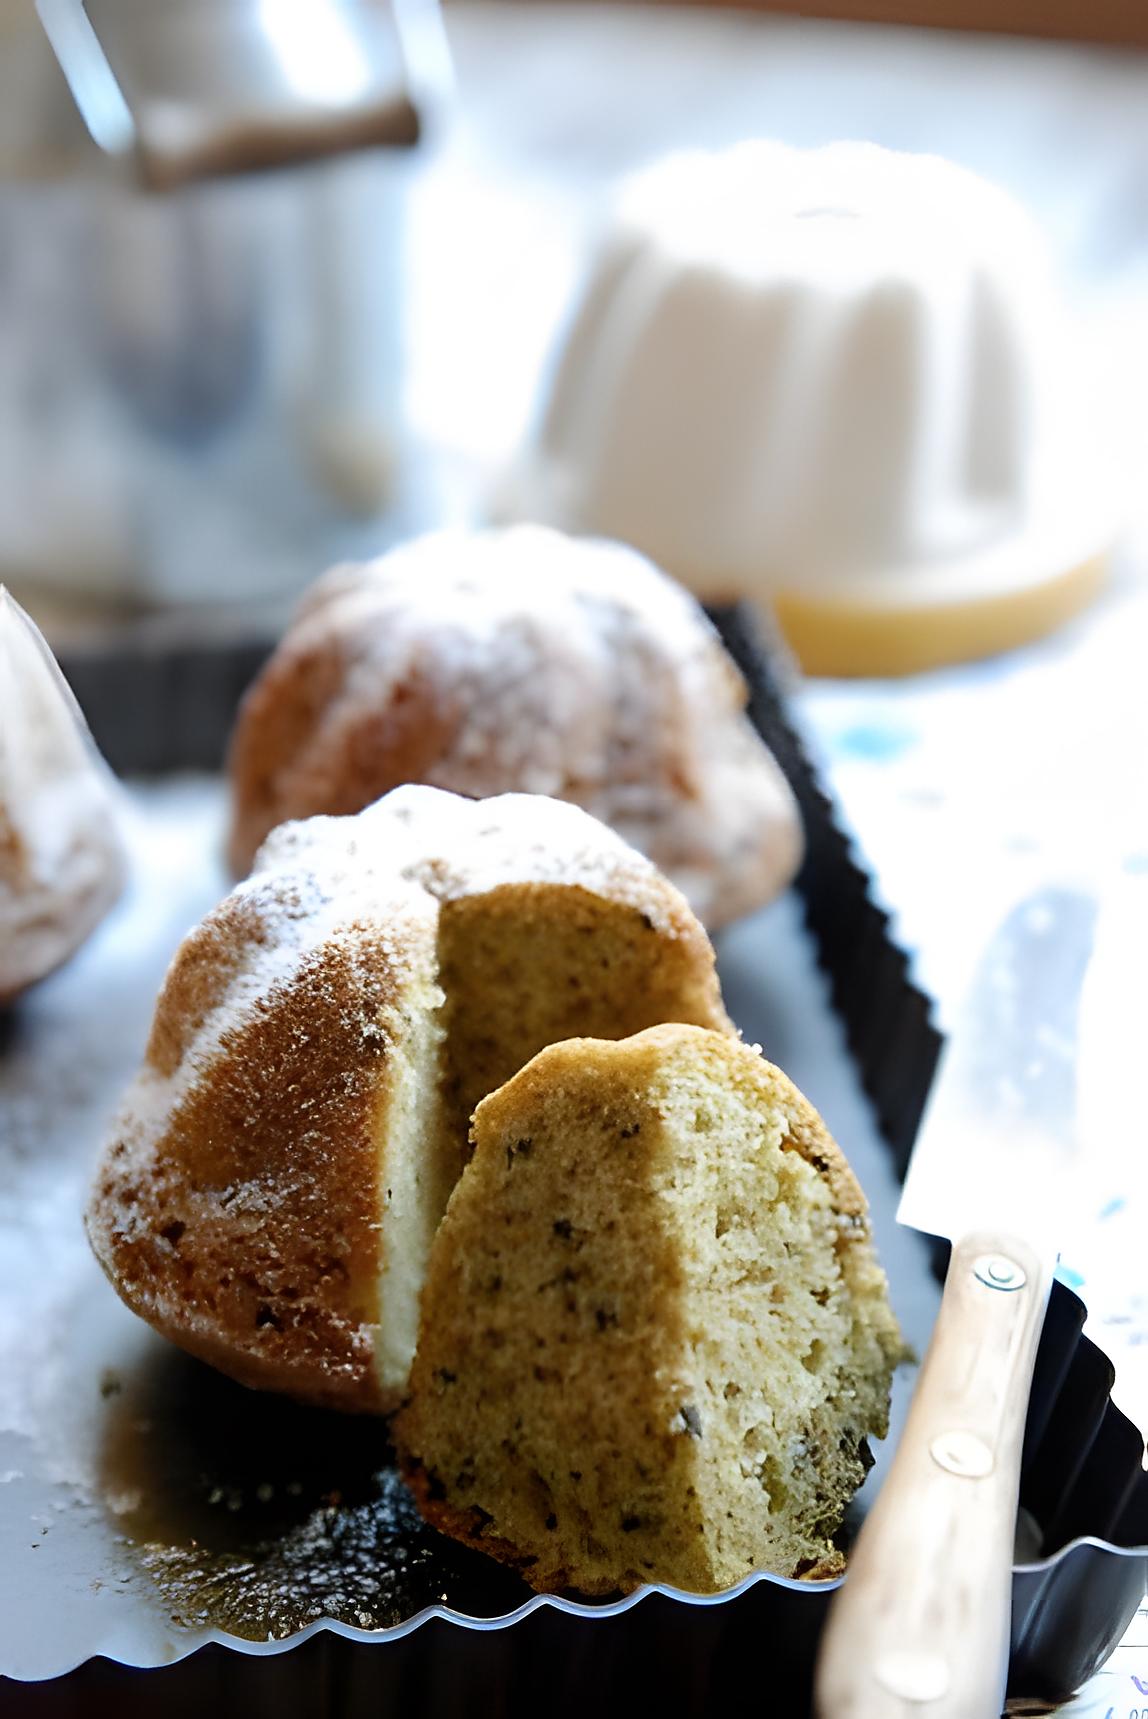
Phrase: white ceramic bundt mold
(837, 379)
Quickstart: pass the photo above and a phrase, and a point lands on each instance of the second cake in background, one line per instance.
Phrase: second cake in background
(521, 661)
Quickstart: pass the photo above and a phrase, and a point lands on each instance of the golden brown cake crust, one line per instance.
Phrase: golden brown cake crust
(521, 662)
(248, 1232)
(239, 1206)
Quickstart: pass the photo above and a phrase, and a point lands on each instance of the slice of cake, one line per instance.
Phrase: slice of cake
(655, 1338)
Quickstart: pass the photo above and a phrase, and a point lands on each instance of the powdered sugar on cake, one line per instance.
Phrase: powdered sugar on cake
(270, 1188)
(450, 847)
(523, 661)
(320, 884)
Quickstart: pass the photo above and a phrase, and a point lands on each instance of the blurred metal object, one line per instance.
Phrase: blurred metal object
(200, 391)
(90, 79)
(189, 89)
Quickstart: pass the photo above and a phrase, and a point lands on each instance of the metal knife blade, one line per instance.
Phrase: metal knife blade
(999, 1139)
(921, 1624)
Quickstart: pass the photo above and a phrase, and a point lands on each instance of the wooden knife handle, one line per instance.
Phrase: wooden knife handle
(920, 1627)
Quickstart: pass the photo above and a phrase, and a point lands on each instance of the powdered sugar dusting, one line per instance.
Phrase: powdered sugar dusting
(541, 665)
(62, 861)
(251, 948)
(525, 644)
(321, 886)
(451, 847)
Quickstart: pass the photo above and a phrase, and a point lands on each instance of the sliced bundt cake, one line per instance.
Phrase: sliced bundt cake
(279, 1167)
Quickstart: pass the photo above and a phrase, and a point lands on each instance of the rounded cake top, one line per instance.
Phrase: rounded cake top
(324, 883)
(831, 369)
(491, 577)
(523, 661)
(445, 846)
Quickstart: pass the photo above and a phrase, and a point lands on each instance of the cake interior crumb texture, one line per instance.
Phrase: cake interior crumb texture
(278, 1171)
(607, 973)
(655, 1337)
(524, 966)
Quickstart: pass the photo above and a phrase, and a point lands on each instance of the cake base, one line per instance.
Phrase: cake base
(843, 637)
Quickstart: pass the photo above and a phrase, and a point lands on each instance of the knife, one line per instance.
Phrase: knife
(920, 1627)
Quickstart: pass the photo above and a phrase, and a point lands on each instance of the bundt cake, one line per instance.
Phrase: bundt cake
(280, 1166)
(521, 661)
(654, 1336)
(62, 862)
(837, 380)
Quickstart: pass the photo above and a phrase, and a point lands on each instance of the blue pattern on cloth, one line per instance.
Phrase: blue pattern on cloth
(967, 788)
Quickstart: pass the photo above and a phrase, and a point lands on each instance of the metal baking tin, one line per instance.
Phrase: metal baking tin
(1083, 1478)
